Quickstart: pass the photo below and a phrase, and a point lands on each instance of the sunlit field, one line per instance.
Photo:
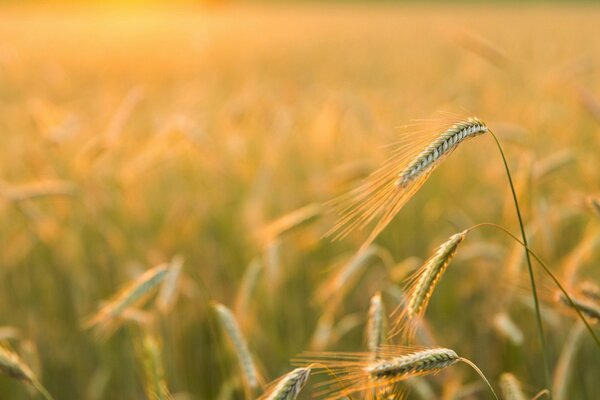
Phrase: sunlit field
(202, 146)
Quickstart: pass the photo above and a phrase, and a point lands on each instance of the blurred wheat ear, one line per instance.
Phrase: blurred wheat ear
(12, 365)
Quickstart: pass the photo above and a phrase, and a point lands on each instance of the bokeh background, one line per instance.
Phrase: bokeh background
(134, 133)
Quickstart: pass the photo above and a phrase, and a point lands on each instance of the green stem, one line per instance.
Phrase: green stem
(530, 268)
(472, 365)
(550, 274)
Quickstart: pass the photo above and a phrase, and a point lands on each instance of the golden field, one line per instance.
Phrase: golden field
(136, 136)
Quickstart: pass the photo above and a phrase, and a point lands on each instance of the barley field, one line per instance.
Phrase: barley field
(166, 182)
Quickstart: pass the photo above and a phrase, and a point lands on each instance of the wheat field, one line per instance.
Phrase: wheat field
(165, 173)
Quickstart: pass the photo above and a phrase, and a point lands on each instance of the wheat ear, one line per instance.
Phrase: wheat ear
(389, 188)
(232, 330)
(12, 365)
(289, 386)
(421, 285)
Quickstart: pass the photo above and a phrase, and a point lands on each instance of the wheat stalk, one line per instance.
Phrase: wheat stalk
(232, 330)
(289, 386)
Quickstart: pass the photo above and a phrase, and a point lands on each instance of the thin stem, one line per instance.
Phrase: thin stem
(530, 268)
(547, 270)
(472, 365)
(41, 389)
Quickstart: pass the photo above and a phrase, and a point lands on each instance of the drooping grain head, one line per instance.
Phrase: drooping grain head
(357, 372)
(435, 151)
(389, 188)
(414, 364)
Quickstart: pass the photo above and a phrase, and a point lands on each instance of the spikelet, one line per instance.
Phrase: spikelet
(388, 189)
(232, 330)
(511, 387)
(108, 318)
(421, 285)
(357, 372)
(289, 386)
(12, 365)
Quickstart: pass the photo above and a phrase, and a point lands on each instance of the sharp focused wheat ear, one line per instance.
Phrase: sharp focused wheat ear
(289, 386)
(12, 365)
(357, 372)
(232, 330)
(386, 191)
(511, 387)
(421, 285)
(107, 318)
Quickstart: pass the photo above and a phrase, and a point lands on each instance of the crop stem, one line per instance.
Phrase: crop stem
(538, 316)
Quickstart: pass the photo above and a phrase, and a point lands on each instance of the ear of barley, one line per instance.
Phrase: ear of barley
(388, 189)
(12, 365)
(421, 286)
(233, 332)
(511, 387)
(289, 386)
(376, 331)
(435, 151)
(357, 372)
(131, 295)
(419, 363)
